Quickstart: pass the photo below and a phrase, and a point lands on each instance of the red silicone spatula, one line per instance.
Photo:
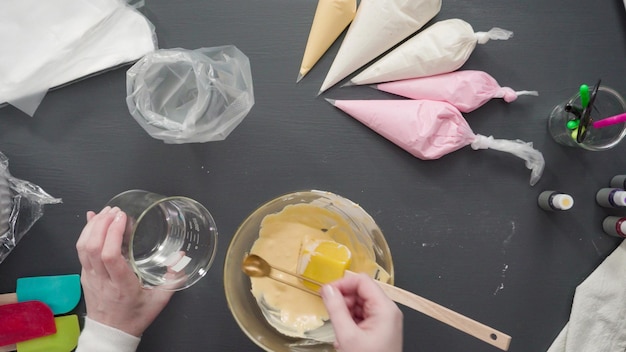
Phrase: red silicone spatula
(24, 321)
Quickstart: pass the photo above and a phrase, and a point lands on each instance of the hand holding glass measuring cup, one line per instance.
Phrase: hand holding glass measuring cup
(169, 242)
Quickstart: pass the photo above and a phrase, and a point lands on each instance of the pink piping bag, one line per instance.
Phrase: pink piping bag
(431, 129)
(467, 90)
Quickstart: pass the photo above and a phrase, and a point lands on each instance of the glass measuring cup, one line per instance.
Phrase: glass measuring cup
(169, 242)
(608, 102)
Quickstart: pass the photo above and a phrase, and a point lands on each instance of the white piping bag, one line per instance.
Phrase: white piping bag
(330, 20)
(443, 47)
(378, 26)
(431, 129)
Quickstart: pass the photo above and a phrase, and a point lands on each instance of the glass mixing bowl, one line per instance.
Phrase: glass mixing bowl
(237, 286)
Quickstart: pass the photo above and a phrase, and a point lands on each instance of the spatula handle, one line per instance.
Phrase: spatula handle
(8, 348)
(7, 298)
(447, 316)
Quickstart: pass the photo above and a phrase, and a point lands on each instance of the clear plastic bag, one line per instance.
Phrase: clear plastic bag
(186, 96)
(21, 205)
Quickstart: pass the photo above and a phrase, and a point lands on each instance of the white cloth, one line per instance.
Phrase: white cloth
(97, 337)
(598, 318)
(49, 43)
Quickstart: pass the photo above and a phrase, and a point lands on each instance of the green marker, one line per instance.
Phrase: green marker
(572, 124)
(584, 95)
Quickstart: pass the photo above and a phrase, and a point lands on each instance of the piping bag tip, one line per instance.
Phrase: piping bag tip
(300, 77)
(348, 84)
(323, 88)
(331, 101)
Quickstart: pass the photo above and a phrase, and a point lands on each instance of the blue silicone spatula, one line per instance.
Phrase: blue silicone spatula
(60, 292)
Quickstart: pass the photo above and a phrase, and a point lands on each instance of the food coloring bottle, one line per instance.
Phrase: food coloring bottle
(555, 200)
(611, 197)
(614, 226)
(619, 181)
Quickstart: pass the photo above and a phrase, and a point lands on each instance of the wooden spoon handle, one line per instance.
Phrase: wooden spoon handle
(8, 348)
(447, 316)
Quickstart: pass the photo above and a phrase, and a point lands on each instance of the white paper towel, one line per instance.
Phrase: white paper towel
(598, 318)
(49, 43)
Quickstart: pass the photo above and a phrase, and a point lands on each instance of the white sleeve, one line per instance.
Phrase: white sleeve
(97, 337)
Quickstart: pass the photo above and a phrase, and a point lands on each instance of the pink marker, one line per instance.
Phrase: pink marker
(613, 120)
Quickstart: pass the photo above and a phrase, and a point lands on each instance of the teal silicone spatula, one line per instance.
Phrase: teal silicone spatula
(64, 340)
(60, 292)
(24, 321)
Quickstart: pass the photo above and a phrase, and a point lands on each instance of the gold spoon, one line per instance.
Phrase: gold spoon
(255, 266)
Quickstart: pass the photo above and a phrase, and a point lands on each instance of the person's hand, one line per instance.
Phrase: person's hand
(363, 317)
(113, 293)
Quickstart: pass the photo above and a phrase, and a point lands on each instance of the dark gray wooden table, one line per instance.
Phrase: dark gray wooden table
(464, 231)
